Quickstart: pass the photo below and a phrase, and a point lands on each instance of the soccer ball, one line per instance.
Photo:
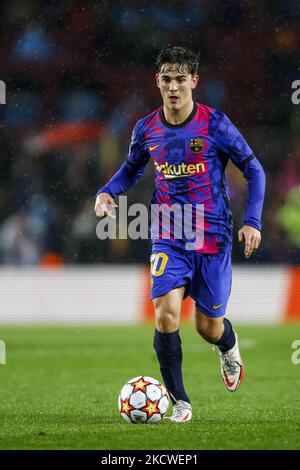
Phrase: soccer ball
(143, 400)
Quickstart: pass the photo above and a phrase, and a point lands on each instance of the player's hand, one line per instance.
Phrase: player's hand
(104, 203)
(252, 238)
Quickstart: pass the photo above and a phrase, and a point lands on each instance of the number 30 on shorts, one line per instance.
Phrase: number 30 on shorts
(158, 263)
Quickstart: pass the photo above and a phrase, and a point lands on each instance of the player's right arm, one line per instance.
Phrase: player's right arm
(127, 176)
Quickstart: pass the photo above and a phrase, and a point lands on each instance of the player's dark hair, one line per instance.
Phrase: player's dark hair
(185, 58)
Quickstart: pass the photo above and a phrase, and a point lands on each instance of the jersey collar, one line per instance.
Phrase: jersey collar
(177, 126)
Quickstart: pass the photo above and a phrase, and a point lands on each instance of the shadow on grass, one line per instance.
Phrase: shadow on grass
(38, 420)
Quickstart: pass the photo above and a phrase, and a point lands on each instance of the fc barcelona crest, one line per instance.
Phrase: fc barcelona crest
(196, 144)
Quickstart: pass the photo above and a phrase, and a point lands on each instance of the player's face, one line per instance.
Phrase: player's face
(176, 85)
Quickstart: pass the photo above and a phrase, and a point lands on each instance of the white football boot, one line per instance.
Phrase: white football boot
(182, 412)
(232, 368)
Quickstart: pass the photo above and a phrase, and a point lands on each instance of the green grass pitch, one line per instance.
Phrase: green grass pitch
(60, 386)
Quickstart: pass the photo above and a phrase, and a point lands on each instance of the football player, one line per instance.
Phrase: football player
(190, 144)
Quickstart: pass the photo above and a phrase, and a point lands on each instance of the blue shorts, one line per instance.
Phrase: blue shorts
(207, 277)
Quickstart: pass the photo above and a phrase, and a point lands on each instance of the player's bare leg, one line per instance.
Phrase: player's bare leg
(168, 309)
(219, 331)
(167, 345)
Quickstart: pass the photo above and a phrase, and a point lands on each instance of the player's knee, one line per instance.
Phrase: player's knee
(209, 331)
(166, 321)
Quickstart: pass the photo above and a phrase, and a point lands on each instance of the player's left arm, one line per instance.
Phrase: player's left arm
(250, 233)
(231, 142)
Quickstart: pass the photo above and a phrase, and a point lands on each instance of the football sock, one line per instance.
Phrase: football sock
(169, 354)
(227, 340)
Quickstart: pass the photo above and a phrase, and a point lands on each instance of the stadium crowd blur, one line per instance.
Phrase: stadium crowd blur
(80, 73)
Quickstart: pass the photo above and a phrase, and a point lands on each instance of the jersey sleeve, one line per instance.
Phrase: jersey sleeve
(256, 179)
(231, 143)
(229, 140)
(132, 170)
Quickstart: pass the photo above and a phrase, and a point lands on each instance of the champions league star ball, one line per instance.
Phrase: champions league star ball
(143, 400)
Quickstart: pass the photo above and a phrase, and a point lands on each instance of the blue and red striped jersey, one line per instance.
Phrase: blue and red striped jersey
(189, 161)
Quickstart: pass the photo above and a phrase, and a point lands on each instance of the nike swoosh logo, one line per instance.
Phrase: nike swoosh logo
(230, 384)
(217, 306)
(153, 148)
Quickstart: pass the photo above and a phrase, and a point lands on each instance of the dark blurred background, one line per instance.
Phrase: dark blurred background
(78, 76)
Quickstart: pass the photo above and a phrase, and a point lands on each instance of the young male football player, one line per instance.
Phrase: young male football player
(190, 144)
